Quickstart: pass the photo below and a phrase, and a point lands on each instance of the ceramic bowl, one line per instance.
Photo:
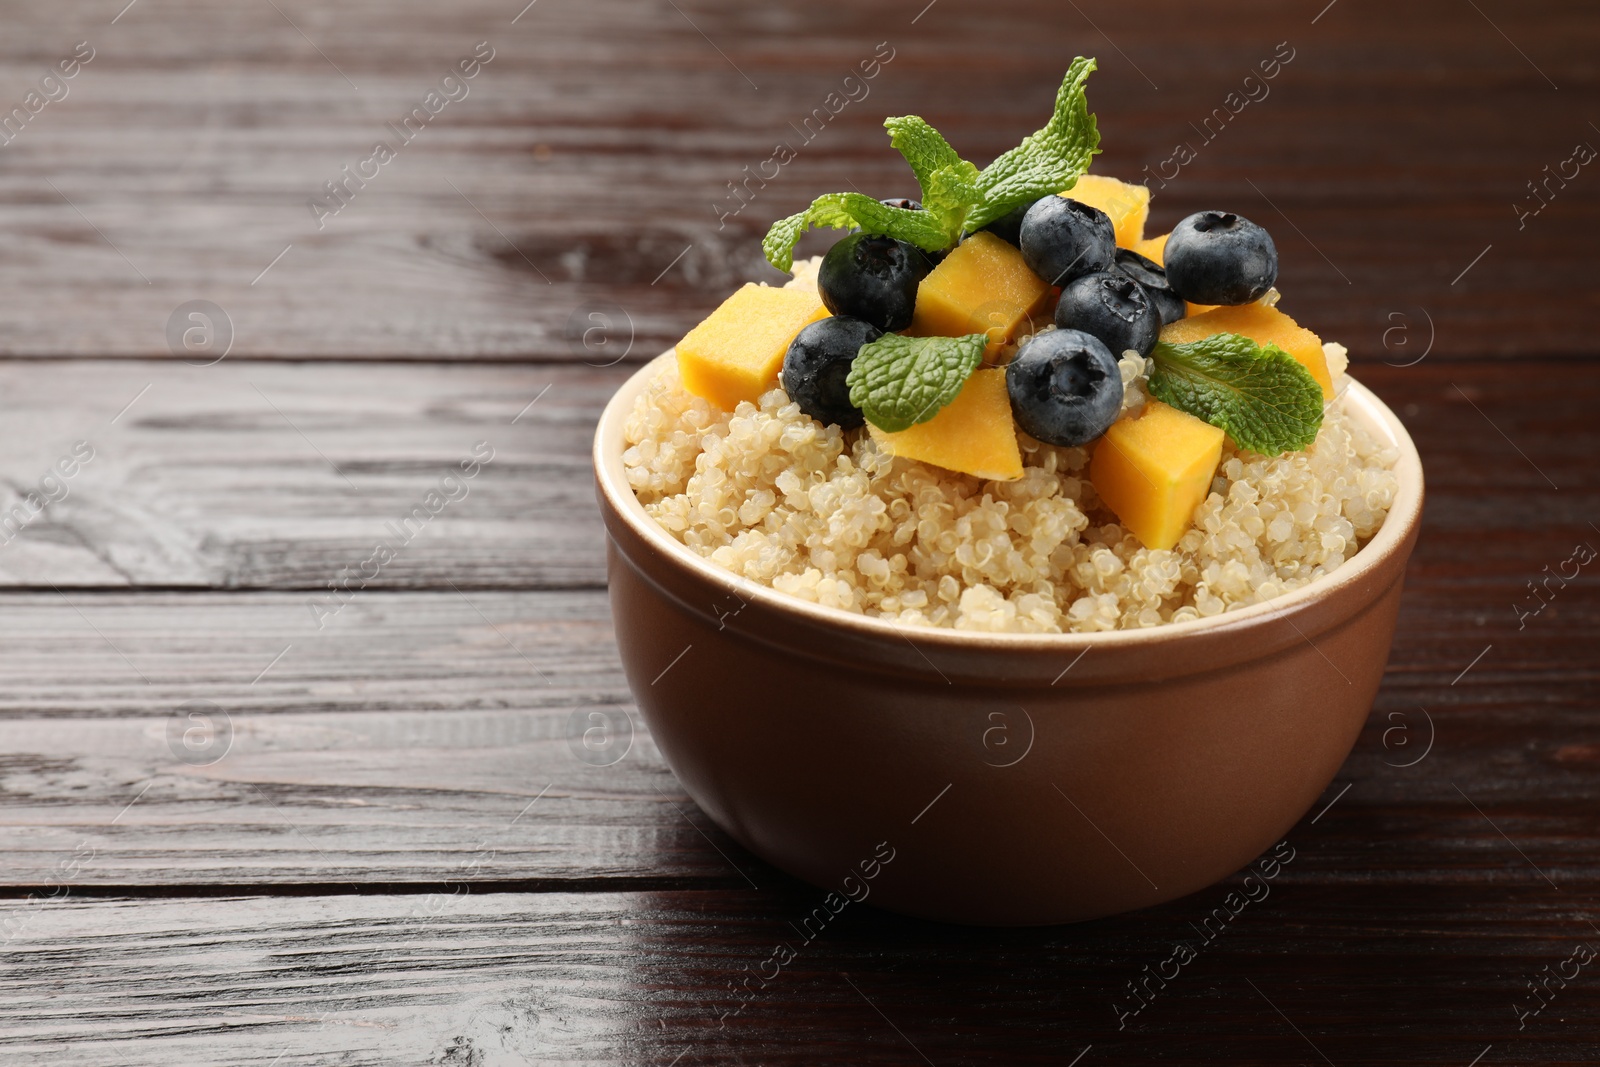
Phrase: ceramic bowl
(1001, 779)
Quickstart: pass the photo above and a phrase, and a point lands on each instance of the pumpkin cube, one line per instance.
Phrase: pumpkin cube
(1153, 470)
(1262, 325)
(982, 286)
(1153, 248)
(1128, 205)
(973, 434)
(736, 352)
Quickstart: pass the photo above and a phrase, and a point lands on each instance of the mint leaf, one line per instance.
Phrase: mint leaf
(948, 183)
(778, 244)
(899, 381)
(1262, 396)
(956, 196)
(1049, 161)
(951, 195)
(844, 210)
(923, 146)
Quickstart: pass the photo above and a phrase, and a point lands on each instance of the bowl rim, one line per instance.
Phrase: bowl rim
(1361, 403)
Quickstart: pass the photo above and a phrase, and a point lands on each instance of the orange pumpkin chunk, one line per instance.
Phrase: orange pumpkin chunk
(1262, 325)
(736, 352)
(1128, 205)
(1153, 248)
(973, 434)
(1155, 469)
(982, 286)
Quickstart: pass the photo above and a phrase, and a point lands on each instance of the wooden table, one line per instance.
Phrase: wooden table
(259, 806)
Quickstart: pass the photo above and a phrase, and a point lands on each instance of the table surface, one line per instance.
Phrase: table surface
(385, 851)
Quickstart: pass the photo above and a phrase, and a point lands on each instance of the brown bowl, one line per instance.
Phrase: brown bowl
(1000, 779)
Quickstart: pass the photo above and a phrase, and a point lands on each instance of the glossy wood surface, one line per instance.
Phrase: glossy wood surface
(389, 848)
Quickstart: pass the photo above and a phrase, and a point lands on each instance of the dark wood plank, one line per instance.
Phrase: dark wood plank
(1364, 975)
(409, 738)
(250, 475)
(118, 656)
(420, 741)
(595, 148)
(414, 739)
(281, 476)
(1515, 732)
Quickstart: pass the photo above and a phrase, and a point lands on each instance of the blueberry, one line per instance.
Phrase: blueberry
(1214, 257)
(1150, 274)
(1063, 239)
(1112, 307)
(1008, 227)
(872, 277)
(1065, 387)
(815, 366)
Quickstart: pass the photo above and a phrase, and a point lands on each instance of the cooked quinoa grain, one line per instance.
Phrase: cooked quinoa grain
(821, 514)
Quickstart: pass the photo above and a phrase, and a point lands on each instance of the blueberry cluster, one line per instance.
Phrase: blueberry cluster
(1064, 384)
(868, 282)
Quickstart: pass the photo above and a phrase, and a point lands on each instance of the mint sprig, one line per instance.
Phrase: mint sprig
(1048, 161)
(841, 211)
(1261, 395)
(957, 197)
(922, 146)
(899, 381)
(950, 195)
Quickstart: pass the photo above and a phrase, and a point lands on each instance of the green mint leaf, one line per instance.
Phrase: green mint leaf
(778, 244)
(1262, 396)
(951, 194)
(1049, 161)
(899, 381)
(841, 211)
(956, 196)
(920, 228)
(924, 148)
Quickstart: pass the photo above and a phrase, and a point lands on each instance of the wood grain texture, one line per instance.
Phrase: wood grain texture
(1367, 975)
(402, 856)
(93, 656)
(469, 693)
(250, 475)
(595, 147)
(416, 739)
(282, 476)
(406, 742)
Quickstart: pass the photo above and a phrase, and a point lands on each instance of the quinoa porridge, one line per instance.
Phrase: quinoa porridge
(823, 514)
